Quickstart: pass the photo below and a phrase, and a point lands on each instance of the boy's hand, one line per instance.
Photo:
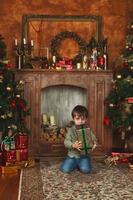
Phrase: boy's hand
(94, 146)
(77, 145)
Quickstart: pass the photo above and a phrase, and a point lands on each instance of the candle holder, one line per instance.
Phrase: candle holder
(19, 56)
(27, 55)
(24, 54)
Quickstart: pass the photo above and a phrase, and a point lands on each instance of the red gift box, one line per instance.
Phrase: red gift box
(22, 154)
(9, 156)
(130, 99)
(122, 157)
(21, 142)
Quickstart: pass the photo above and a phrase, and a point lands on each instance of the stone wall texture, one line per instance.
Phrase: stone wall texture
(116, 15)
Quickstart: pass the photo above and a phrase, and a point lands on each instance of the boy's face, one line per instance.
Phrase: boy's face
(79, 120)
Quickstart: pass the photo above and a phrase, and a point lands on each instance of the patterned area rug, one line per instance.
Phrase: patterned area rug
(46, 182)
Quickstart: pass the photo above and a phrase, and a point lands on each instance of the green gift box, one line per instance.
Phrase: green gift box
(85, 136)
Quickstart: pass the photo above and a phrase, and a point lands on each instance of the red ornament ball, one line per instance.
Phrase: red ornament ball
(106, 121)
(13, 103)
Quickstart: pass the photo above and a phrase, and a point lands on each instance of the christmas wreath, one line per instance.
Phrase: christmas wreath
(56, 41)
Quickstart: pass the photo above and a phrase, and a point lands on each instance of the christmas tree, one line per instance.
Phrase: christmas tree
(119, 103)
(13, 107)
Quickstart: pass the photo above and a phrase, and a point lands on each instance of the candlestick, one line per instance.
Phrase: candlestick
(19, 54)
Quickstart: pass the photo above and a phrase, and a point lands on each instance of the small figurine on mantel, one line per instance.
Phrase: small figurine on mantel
(85, 62)
(54, 60)
(94, 56)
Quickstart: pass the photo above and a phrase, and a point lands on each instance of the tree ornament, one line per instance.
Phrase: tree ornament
(22, 105)
(8, 88)
(13, 103)
(127, 46)
(129, 128)
(9, 114)
(127, 108)
(119, 76)
(131, 67)
(123, 135)
(9, 65)
(131, 26)
(111, 105)
(106, 120)
(1, 78)
(3, 116)
(130, 48)
(18, 95)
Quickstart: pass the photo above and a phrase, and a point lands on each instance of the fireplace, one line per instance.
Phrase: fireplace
(55, 93)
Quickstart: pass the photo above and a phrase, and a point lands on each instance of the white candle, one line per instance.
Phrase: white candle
(32, 44)
(16, 42)
(44, 119)
(47, 53)
(52, 120)
(78, 65)
(54, 59)
(24, 41)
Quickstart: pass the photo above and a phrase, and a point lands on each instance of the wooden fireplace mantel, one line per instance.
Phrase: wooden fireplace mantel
(97, 84)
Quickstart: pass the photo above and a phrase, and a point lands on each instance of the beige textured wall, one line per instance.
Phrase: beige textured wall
(116, 16)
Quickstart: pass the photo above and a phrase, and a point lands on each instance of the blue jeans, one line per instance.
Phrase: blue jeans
(83, 164)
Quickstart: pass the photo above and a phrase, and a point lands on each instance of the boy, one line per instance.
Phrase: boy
(76, 158)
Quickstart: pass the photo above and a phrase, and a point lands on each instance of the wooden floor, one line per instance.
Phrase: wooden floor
(9, 186)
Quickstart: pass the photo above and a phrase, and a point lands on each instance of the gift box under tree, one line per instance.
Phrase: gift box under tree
(9, 157)
(21, 147)
(14, 149)
(21, 141)
(21, 155)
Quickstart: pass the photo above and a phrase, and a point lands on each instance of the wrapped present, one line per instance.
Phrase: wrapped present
(69, 67)
(12, 143)
(84, 135)
(122, 156)
(21, 155)
(6, 143)
(9, 169)
(129, 100)
(9, 156)
(65, 63)
(21, 142)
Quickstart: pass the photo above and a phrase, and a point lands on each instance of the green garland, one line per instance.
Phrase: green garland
(56, 41)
